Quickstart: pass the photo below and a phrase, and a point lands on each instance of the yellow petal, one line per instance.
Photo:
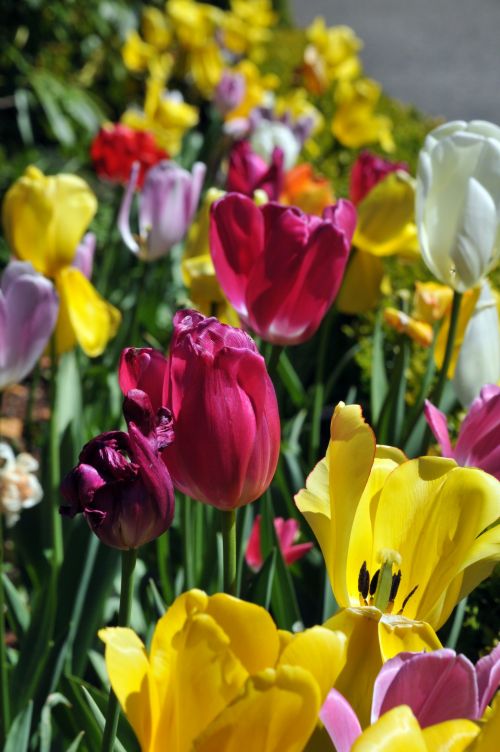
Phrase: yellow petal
(384, 215)
(320, 651)
(136, 53)
(92, 319)
(450, 736)
(45, 218)
(277, 712)
(395, 731)
(487, 741)
(313, 502)
(360, 289)
(130, 676)
(397, 634)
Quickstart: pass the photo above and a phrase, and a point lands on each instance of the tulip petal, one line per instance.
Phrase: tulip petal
(451, 736)
(277, 712)
(488, 677)
(490, 733)
(130, 676)
(476, 236)
(383, 215)
(92, 320)
(397, 729)
(439, 427)
(125, 207)
(340, 721)
(143, 368)
(360, 288)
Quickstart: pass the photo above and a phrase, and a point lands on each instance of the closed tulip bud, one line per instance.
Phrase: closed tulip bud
(121, 485)
(28, 314)
(229, 92)
(458, 202)
(278, 267)
(167, 204)
(226, 417)
(249, 172)
(368, 170)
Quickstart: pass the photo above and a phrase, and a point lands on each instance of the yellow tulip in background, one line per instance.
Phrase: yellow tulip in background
(220, 677)
(355, 122)
(44, 219)
(403, 542)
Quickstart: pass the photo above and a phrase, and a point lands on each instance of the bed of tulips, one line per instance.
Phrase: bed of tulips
(250, 374)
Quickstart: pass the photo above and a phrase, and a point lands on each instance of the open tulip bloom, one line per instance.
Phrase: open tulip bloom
(280, 268)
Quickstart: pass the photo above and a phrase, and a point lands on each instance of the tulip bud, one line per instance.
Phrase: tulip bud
(368, 170)
(167, 204)
(458, 202)
(249, 172)
(278, 267)
(28, 314)
(226, 416)
(121, 484)
(144, 369)
(229, 92)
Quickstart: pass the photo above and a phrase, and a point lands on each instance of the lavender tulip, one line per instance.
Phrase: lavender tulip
(121, 485)
(28, 313)
(167, 204)
(229, 92)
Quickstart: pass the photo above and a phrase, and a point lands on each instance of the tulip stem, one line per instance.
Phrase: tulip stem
(4, 680)
(55, 465)
(129, 558)
(273, 360)
(228, 523)
(456, 627)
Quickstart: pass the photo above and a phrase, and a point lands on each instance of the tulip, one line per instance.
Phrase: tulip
(419, 331)
(225, 411)
(121, 485)
(458, 202)
(478, 360)
(229, 92)
(143, 368)
(331, 55)
(28, 314)
(367, 171)
(249, 172)
(306, 190)
(167, 204)
(44, 219)
(115, 149)
(19, 487)
(84, 256)
(286, 533)
(355, 122)
(479, 436)
(431, 301)
(268, 135)
(278, 267)
(414, 560)
(261, 688)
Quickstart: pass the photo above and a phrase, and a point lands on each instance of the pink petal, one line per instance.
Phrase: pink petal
(253, 556)
(340, 721)
(479, 435)
(438, 425)
(286, 530)
(294, 553)
(488, 678)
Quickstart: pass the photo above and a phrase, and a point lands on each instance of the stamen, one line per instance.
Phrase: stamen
(374, 582)
(407, 599)
(363, 581)
(389, 556)
(396, 579)
(387, 582)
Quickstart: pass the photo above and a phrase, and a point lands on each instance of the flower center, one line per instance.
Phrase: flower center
(381, 589)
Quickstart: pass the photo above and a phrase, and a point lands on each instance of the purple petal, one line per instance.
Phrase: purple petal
(439, 427)
(124, 215)
(340, 721)
(84, 256)
(488, 678)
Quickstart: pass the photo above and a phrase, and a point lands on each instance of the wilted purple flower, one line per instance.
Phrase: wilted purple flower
(84, 256)
(28, 313)
(167, 204)
(121, 485)
(229, 92)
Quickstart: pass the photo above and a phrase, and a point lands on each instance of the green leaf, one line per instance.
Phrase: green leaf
(17, 608)
(262, 584)
(19, 734)
(379, 383)
(75, 744)
(291, 380)
(45, 719)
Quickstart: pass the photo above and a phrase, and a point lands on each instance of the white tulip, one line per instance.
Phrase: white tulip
(479, 360)
(458, 202)
(268, 134)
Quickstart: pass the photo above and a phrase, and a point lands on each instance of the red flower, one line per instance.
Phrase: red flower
(249, 172)
(368, 170)
(286, 532)
(115, 149)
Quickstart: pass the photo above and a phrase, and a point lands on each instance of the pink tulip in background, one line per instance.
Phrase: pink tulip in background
(368, 170)
(249, 172)
(287, 531)
(28, 312)
(478, 443)
(280, 268)
(167, 205)
(438, 686)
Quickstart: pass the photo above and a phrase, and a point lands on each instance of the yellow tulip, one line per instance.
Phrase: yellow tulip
(355, 122)
(419, 331)
(431, 301)
(330, 55)
(221, 676)
(44, 219)
(404, 538)
(246, 26)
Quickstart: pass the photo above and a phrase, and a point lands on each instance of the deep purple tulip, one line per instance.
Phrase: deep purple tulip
(167, 204)
(478, 443)
(28, 314)
(121, 485)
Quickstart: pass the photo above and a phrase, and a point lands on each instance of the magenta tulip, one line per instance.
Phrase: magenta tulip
(287, 532)
(227, 428)
(143, 368)
(121, 485)
(28, 314)
(249, 172)
(478, 443)
(280, 268)
(368, 170)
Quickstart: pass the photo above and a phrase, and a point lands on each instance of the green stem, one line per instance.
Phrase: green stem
(273, 360)
(228, 525)
(129, 558)
(55, 467)
(456, 628)
(4, 681)
(163, 558)
(187, 541)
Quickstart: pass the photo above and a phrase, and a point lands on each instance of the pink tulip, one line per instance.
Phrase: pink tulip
(478, 443)
(287, 532)
(167, 204)
(249, 172)
(280, 268)
(227, 427)
(340, 720)
(368, 170)
(143, 368)
(28, 314)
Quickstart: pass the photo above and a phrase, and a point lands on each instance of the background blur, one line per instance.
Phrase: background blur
(442, 55)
